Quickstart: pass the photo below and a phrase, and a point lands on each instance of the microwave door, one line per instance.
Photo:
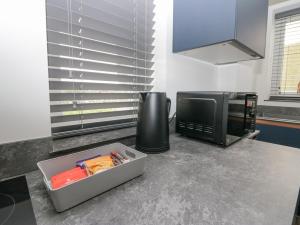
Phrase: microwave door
(236, 120)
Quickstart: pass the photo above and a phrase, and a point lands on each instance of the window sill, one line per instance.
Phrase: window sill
(83, 142)
(281, 120)
(278, 122)
(284, 99)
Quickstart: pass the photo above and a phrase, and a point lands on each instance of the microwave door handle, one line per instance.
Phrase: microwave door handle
(245, 111)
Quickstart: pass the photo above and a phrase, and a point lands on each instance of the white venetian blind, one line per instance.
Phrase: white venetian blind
(100, 58)
(286, 56)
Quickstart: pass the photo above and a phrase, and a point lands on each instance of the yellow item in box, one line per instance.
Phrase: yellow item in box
(98, 164)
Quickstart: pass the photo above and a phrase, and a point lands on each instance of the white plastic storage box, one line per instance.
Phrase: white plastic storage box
(82, 190)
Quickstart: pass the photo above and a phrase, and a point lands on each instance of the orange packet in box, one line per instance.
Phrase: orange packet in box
(98, 164)
(67, 177)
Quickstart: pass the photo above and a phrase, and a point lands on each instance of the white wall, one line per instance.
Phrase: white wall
(175, 72)
(24, 94)
(256, 75)
(239, 76)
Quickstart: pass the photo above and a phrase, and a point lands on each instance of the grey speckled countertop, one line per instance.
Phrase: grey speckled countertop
(248, 183)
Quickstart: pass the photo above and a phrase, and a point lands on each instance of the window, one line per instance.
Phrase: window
(100, 56)
(286, 56)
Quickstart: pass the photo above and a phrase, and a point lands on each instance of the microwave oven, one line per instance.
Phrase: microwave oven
(219, 117)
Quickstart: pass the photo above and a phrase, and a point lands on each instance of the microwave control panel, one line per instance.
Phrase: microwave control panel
(250, 112)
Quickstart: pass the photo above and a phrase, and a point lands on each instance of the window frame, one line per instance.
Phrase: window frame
(273, 11)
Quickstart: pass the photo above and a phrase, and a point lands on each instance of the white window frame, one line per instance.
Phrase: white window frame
(273, 10)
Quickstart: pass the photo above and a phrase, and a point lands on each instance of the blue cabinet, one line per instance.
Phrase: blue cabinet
(232, 28)
(279, 135)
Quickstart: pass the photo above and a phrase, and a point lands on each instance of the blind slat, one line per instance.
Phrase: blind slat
(64, 50)
(57, 103)
(78, 63)
(92, 116)
(89, 121)
(65, 80)
(90, 59)
(64, 71)
(87, 115)
(80, 41)
(92, 111)
(104, 35)
(69, 97)
(92, 92)
(122, 8)
(101, 16)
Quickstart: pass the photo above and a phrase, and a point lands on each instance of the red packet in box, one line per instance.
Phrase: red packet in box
(67, 177)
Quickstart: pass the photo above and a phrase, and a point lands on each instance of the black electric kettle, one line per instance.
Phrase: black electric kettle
(153, 122)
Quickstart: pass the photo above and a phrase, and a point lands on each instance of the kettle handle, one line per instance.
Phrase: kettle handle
(169, 105)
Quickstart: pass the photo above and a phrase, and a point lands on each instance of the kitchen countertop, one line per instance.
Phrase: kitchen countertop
(248, 183)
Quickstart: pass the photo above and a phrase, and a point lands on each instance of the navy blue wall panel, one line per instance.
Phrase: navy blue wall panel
(199, 23)
(279, 135)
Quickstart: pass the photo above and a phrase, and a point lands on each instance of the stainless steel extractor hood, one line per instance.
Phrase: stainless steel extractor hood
(219, 31)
